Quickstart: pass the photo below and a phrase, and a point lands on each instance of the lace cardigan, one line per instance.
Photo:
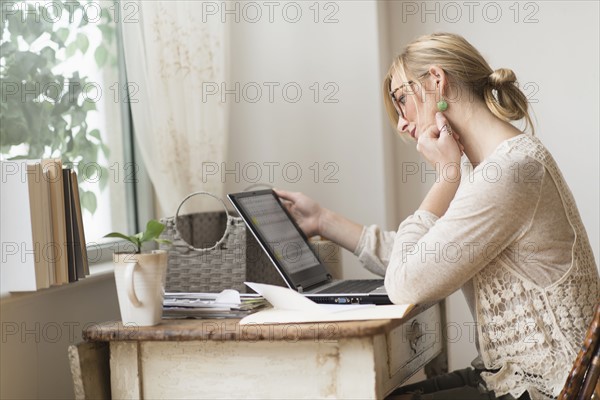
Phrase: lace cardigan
(513, 240)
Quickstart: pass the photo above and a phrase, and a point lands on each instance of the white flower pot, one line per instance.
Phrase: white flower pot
(140, 280)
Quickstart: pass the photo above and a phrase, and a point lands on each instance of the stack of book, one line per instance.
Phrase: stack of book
(226, 304)
(43, 242)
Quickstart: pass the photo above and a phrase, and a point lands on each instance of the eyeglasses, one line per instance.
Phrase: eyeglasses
(399, 103)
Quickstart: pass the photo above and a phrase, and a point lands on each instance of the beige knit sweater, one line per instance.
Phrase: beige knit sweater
(513, 240)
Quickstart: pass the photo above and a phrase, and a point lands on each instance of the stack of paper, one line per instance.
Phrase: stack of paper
(290, 306)
(227, 304)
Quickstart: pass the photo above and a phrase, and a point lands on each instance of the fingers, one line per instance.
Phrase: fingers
(288, 199)
(437, 138)
(430, 132)
(443, 125)
(442, 128)
(446, 130)
(285, 194)
(441, 121)
(288, 205)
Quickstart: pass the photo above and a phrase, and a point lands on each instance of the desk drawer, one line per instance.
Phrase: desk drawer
(414, 343)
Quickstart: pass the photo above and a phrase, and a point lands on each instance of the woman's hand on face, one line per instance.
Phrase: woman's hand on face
(439, 148)
(306, 211)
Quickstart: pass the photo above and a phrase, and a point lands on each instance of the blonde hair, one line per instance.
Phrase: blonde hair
(466, 68)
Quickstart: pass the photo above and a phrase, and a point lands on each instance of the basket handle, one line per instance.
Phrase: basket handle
(227, 228)
(258, 185)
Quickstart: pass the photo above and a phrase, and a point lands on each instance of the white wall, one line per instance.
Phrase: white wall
(348, 134)
(37, 329)
(557, 55)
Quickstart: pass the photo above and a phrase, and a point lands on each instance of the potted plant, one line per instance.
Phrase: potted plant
(140, 277)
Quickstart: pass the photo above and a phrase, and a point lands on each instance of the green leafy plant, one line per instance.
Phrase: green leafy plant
(44, 112)
(152, 232)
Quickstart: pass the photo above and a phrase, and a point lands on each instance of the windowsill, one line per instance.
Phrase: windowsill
(98, 272)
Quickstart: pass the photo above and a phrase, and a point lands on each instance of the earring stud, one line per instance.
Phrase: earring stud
(442, 105)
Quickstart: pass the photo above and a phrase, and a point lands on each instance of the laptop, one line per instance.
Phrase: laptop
(288, 249)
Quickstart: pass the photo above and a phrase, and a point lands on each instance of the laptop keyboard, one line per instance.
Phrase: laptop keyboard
(354, 286)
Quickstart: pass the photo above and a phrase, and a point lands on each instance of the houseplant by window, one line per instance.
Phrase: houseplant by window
(140, 277)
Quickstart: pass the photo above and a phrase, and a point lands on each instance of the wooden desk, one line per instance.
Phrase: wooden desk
(222, 359)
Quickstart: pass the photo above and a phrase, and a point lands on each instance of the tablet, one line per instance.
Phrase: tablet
(280, 237)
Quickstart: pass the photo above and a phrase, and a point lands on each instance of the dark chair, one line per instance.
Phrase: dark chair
(583, 383)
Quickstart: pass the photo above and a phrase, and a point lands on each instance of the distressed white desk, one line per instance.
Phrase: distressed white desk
(187, 359)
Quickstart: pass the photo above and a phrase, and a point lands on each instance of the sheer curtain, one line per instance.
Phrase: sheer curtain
(170, 53)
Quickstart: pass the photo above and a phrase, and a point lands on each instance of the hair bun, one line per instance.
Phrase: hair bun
(501, 77)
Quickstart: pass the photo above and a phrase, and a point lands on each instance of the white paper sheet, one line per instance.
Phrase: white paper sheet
(290, 306)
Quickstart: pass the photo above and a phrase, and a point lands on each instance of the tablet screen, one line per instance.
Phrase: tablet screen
(278, 232)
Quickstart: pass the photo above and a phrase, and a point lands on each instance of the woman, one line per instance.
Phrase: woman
(507, 232)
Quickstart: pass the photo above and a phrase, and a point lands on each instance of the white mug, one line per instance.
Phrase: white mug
(140, 280)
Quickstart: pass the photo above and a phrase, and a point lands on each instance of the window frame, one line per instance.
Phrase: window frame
(139, 192)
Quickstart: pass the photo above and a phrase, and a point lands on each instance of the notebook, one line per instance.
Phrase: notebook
(288, 249)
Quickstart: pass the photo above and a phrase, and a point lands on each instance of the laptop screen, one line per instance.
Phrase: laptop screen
(278, 234)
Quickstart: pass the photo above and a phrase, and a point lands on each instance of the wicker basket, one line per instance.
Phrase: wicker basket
(216, 254)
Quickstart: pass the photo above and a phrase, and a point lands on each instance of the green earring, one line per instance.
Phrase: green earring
(442, 105)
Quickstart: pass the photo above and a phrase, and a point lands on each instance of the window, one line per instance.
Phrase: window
(64, 95)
